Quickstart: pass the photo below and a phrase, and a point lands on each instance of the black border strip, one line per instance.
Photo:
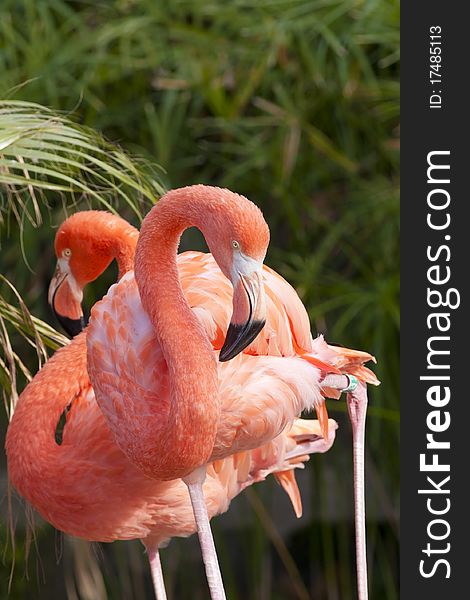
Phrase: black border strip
(426, 130)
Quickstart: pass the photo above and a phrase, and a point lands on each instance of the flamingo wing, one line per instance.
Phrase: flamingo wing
(281, 456)
(209, 294)
(261, 396)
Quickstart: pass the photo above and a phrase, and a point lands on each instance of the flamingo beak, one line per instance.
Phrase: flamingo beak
(249, 314)
(65, 297)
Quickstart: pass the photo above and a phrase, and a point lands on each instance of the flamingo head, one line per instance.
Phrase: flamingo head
(85, 244)
(239, 240)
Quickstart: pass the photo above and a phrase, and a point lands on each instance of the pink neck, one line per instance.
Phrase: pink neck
(124, 246)
(194, 407)
(31, 443)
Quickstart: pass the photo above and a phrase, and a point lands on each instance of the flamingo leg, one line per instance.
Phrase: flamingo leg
(194, 482)
(357, 408)
(157, 573)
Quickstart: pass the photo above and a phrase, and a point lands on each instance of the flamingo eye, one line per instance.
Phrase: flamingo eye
(66, 253)
(235, 244)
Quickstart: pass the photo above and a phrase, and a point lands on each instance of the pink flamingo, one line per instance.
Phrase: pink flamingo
(85, 244)
(152, 362)
(71, 483)
(86, 461)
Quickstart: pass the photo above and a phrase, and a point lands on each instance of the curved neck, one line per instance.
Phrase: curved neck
(194, 395)
(124, 246)
(31, 442)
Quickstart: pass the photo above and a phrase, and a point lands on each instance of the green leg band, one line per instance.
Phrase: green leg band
(353, 383)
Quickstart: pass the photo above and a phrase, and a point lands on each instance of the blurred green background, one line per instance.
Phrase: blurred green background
(295, 104)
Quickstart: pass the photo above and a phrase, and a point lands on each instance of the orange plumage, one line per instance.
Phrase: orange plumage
(87, 463)
(164, 401)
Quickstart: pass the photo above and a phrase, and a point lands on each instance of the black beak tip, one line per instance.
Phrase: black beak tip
(238, 338)
(224, 356)
(71, 326)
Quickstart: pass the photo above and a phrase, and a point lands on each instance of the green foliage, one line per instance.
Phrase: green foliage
(44, 153)
(293, 103)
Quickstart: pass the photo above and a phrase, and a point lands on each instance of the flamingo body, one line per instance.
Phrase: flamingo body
(239, 416)
(153, 360)
(71, 484)
(260, 394)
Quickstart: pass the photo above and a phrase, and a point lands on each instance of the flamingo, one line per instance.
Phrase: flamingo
(96, 238)
(70, 479)
(152, 358)
(87, 487)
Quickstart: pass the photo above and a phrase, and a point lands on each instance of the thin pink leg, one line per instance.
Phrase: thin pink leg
(357, 408)
(157, 573)
(194, 482)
